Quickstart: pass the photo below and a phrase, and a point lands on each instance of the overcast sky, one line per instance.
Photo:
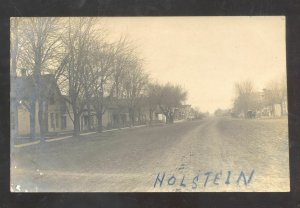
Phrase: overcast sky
(207, 55)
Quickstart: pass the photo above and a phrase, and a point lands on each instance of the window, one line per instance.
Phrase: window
(57, 120)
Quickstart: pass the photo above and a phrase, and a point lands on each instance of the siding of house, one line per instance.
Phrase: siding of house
(24, 121)
(106, 119)
(54, 115)
(160, 117)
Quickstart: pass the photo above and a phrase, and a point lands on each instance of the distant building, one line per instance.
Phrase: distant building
(265, 108)
(182, 112)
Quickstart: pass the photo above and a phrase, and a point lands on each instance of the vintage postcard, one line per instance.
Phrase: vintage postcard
(149, 104)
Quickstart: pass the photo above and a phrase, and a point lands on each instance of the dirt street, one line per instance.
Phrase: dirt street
(215, 154)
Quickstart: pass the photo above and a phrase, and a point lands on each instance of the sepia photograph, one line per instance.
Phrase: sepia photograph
(149, 104)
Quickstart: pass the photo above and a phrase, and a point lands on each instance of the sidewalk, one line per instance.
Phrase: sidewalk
(27, 141)
(51, 137)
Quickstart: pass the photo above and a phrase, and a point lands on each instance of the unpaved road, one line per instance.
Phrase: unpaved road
(216, 154)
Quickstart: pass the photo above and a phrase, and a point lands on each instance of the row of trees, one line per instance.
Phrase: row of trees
(247, 98)
(167, 98)
(91, 71)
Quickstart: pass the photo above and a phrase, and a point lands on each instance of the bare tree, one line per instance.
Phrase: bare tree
(134, 85)
(152, 93)
(244, 100)
(101, 71)
(123, 53)
(14, 46)
(40, 44)
(71, 73)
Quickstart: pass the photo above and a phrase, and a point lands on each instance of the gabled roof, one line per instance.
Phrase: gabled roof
(25, 86)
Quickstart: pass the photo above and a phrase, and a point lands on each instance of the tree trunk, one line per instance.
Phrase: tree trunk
(167, 118)
(273, 111)
(41, 119)
(32, 119)
(151, 116)
(14, 100)
(171, 119)
(76, 124)
(99, 121)
(131, 115)
(89, 115)
(139, 118)
(133, 118)
(46, 129)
